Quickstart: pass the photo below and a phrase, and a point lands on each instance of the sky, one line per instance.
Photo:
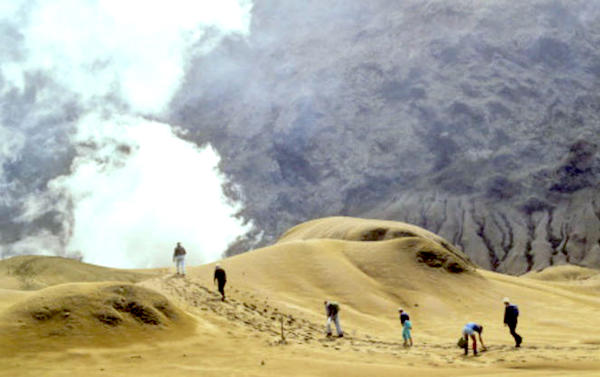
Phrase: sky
(135, 186)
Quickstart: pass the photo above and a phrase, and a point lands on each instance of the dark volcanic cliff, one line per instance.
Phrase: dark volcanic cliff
(474, 119)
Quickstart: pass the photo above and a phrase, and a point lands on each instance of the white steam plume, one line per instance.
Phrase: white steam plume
(133, 49)
(135, 187)
(135, 199)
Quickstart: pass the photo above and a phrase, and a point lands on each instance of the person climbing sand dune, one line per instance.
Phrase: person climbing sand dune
(469, 331)
(406, 327)
(221, 278)
(332, 309)
(511, 313)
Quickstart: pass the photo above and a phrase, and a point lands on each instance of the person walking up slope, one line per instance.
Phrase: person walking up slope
(179, 259)
(332, 309)
(406, 327)
(511, 313)
(221, 277)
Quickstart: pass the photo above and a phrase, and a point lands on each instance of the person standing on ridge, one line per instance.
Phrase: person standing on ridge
(511, 312)
(221, 277)
(469, 331)
(179, 259)
(332, 309)
(406, 327)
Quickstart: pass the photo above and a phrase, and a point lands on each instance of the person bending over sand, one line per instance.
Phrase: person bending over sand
(332, 309)
(469, 331)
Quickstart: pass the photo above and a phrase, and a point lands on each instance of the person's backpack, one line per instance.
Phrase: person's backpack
(335, 307)
(461, 342)
(515, 309)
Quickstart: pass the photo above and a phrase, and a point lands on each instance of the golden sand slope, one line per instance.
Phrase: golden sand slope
(83, 314)
(283, 287)
(565, 273)
(356, 229)
(31, 272)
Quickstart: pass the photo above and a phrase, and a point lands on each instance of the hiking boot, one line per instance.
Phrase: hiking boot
(340, 335)
(328, 334)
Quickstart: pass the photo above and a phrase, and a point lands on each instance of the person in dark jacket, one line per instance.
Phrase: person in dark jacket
(221, 278)
(511, 313)
(403, 316)
(179, 259)
(332, 309)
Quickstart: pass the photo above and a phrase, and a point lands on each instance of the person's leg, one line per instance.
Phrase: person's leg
(512, 327)
(328, 328)
(466, 337)
(338, 328)
(410, 338)
(183, 265)
(178, 264)
(474, 340)
(222, 290)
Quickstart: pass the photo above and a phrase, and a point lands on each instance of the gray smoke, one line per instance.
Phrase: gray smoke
(476, 120)
(451, 115)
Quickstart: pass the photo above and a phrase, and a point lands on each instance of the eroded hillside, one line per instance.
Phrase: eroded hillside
(474, 119)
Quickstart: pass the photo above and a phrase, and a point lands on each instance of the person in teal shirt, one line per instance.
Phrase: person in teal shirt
(406, 327)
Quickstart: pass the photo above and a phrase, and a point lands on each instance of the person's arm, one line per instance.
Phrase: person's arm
(505, 315)
(483, 347)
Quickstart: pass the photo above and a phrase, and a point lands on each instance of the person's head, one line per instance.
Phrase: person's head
(480, 329)
(506, 301)
(217, 266)
(400, 310)
(325, 302)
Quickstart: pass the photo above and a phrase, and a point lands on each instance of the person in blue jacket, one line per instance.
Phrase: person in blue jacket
(469, 331)
(511, 314)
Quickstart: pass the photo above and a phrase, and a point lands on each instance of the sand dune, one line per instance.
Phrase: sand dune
(33, 272)
(565, 273)
(371, 267)
(78, 314)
